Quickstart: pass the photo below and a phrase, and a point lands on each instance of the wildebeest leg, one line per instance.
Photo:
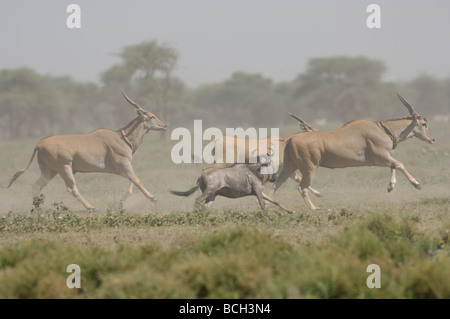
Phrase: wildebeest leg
(128, 172)
(208, 195)
(127, 193)
(266, 197)
(68, 178)
(209, 201)
(298, 179)
(260, 197)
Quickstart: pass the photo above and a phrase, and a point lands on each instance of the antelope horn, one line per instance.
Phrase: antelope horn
(137, 106)
(415, 118)
(270, 152)
(411, 110)
(303, 125)
(267, 156)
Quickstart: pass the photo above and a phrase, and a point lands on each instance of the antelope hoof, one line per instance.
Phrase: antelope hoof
(390, 188)
(417, 186)
(153, 199)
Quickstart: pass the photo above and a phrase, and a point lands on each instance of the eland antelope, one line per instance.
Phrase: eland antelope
(103, 150)
(357, 143)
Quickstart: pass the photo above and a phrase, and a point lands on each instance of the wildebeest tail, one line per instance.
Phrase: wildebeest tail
(186, 193)
(22, 170)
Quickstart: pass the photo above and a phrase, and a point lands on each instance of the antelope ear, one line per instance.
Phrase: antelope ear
(141, 114)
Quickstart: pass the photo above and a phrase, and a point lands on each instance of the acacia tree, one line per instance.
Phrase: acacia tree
(146, 71)
(82, 103)
(243, 99)
(342, 88)
(429, 93)
(29, 105)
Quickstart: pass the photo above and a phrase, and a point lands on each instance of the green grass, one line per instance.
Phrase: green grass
(229, 254)
(237, 262)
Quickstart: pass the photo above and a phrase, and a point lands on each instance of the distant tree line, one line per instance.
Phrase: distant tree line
(335, 88)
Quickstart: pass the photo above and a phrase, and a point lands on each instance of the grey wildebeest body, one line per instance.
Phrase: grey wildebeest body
(357, 143)
(103, 150)
(231, 181)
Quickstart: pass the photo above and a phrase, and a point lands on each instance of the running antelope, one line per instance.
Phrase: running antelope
(102, 150)
(357, 143)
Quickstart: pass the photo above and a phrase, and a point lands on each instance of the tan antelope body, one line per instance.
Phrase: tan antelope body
(231, 149)
(103, 151)
(357, 143)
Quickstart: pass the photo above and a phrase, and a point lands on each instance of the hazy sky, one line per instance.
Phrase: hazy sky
(215, 38)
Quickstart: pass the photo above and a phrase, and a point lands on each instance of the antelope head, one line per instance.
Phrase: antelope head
(151, 121)
(418, 127)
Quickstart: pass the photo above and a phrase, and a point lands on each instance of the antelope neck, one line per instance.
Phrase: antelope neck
(392, 130)
(132, 134)
(125, 138)
(389, 133)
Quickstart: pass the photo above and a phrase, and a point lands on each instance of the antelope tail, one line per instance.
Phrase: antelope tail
(22, 170)
(186, 193)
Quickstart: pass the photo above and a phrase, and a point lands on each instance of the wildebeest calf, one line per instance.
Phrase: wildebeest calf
(232, 181)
